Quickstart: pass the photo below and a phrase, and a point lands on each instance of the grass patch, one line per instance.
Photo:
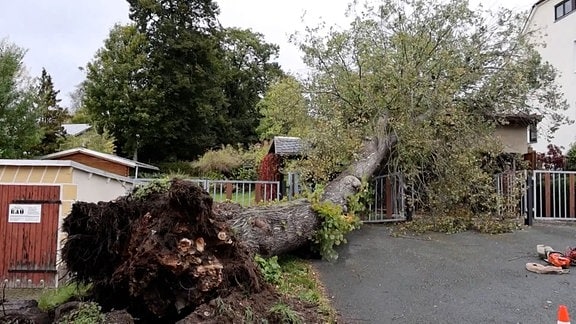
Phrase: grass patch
(52, 298)
(298, 279)
(282, 313)
(245, 199)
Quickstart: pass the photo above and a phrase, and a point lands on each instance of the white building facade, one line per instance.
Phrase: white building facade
(555, 21)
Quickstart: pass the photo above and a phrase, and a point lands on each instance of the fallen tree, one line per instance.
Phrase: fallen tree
(161, 254)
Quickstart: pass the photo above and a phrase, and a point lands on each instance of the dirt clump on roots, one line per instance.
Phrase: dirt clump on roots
(164, 256)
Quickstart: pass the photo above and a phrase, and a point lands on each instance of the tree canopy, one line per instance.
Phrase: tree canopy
(284, 110)
(19, 130)
(435, 78)
(116, 91)
(175, 83)
(51, 118)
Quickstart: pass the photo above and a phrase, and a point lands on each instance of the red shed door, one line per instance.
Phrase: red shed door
(28, 235)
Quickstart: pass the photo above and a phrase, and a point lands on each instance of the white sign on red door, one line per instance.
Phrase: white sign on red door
(18, 213)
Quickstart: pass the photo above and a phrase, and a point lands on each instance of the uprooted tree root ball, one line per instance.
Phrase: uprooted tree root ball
(160, 256)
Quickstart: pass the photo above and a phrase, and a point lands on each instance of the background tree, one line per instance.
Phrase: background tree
(178, 80)
(430, 78)
(118, 95)
(571, 158)
(185, 66)
(92, 140)
(19, 131)
(52, 116)
(249, 72)
(284, 110)
(553, 159)
(79, 114)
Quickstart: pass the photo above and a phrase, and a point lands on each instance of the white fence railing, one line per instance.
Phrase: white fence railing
(546, 195)
(244, 192)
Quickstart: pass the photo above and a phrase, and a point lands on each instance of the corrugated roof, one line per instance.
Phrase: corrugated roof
(105, 156)
(284, 145)
(64, 163)
(76, 129)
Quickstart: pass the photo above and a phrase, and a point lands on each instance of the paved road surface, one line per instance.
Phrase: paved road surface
(438, 278)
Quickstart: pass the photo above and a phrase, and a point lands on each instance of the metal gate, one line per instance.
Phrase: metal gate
(388, 202)
(547, 195)
(28, 235)
(553, 194)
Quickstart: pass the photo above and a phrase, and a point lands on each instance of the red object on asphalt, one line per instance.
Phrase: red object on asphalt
(563, 317)
(558, 259)
(571, 254)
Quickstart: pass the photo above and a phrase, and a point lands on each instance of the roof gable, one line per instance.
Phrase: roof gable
(108, 157)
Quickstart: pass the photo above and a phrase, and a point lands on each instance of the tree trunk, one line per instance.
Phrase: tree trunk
(277, 229)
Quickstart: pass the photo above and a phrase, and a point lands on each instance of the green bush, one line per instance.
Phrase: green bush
(231, 162)
(223, 161)
(333, 229)
(269, 268)
(179, 167)
(571, 158)
(155, 186)
(86, 313)
(91, 140)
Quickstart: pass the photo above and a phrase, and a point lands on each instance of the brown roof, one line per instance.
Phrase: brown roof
(517, 118)
(109, 157)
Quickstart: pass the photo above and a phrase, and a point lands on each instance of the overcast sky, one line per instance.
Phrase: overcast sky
(62, 35)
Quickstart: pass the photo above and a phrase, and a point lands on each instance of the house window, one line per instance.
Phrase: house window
(563, 8)
(532, 134)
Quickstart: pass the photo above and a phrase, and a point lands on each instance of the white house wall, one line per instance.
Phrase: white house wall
(95, 188)
(513, 138)
(560, 50)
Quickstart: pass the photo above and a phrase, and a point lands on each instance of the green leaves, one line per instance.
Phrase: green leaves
(270, 269)
(437, 72)
(51, 118)
(175, 84)
(333, 229)
(19, 131)
(284, 110)
(91, 140)
(117, 93)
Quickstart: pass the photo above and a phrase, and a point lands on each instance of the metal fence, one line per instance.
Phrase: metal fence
(546, 195)
(554, 195)
(388, 201)
(244, 192)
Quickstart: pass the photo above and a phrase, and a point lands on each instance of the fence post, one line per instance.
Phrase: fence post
(258, 193)
(389, 199)
(530, 179)
(229, 190)
(292, 189)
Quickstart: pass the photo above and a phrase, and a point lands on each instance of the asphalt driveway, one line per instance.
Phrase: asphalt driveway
(439, 278)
